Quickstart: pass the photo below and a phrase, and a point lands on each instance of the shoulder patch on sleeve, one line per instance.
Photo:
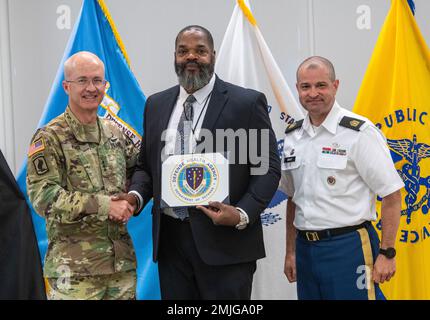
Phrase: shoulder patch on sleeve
(295, 125)
(37, 146)
(40, 165)
(351, 123)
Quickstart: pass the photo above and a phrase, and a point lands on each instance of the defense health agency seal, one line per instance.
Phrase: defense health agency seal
(194, 179)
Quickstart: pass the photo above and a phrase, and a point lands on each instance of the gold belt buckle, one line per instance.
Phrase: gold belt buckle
(312, 236)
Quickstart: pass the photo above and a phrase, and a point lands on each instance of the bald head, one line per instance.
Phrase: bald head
(84, 83)
(79, 59)
(315, 62)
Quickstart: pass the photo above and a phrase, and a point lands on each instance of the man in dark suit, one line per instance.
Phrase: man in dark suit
(20, 264)
(210, 253)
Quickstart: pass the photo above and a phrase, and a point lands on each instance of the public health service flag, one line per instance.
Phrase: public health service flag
(245, 59)
(124, 101)
(395, 96)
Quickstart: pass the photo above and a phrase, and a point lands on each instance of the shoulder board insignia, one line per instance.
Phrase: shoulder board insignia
(295, 125)
(351, 123)
(36, 146)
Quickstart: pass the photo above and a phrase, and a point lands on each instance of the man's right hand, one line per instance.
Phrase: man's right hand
(120, 210)
(290, 267)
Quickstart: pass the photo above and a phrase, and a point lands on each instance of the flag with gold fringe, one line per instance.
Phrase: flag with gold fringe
(394, 94)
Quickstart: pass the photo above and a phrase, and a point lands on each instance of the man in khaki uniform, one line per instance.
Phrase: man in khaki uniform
(76, 164)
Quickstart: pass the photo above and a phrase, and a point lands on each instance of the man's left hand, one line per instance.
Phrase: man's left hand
(221, 214)
(384, 269)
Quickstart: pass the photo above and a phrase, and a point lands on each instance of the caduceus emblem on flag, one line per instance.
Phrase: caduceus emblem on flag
(411, 173)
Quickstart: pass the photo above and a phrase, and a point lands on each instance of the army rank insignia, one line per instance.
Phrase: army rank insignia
(40, 165)
(293, 126)
(351, 123)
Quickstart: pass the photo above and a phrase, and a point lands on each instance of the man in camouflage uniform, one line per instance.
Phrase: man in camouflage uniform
(76, 165)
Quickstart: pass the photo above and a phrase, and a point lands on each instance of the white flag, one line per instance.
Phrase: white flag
(245, 59)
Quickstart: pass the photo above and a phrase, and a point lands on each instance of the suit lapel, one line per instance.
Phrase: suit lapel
(171, 98)
(166, 112)
(216, 104)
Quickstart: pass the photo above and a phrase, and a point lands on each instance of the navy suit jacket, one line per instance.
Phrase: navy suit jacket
(230, 107)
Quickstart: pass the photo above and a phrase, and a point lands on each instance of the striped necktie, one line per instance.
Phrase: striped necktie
(183, 139)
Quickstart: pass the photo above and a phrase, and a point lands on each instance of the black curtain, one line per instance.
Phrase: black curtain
(20, 265)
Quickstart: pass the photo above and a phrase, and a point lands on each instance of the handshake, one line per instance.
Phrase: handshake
(122, 207)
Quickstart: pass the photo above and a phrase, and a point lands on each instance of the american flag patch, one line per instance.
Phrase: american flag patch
(37, 146)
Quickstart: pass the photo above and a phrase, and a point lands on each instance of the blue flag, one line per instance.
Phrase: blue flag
(123, 103)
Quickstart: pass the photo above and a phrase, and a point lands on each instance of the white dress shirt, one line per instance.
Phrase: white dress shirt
(200, 107)
(334, 173)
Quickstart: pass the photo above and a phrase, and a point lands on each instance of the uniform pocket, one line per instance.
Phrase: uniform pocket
(91, 162)
(79, 169)
(332, 170)
(114, 168)
(329, 161)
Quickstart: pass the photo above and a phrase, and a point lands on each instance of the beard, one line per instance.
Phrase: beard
(194, 81)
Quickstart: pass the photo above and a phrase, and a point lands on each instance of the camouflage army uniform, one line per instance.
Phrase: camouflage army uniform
(72, 171)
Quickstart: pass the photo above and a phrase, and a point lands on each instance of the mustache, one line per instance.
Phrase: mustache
(183, 65)
(314, 99)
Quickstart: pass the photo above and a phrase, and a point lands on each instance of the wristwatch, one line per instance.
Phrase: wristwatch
(243, 222)
(389, 252)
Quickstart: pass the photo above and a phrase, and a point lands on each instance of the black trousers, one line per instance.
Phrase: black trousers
(184, 275)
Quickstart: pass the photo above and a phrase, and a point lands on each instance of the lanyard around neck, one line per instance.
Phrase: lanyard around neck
(201, 112)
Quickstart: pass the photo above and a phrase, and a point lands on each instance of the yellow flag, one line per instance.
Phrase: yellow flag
(395, 95)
